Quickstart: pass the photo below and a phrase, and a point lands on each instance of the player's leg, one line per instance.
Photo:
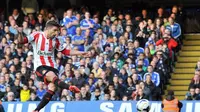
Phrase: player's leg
(47, 97)
(52, 77)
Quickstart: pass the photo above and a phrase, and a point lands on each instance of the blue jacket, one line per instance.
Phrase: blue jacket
(138, 51)
(84, 23)
(145, 62)
(175, 30)
(71, 30)
(155, 77)
(78, 38)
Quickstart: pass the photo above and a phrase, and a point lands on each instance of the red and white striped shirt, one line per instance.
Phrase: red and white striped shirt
(43, 49)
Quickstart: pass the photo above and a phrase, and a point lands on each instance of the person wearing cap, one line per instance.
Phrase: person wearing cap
(171, 104)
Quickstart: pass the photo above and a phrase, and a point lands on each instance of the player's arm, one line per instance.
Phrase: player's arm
(23, 40)
(72, 53)
(60, 47)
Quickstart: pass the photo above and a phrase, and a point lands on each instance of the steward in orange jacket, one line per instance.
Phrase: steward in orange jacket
(171, 104)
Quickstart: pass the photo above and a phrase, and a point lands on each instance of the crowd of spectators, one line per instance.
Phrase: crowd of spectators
(131, 56)
(194, 87)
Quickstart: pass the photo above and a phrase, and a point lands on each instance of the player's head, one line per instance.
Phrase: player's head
(143, 106)
(52, 28)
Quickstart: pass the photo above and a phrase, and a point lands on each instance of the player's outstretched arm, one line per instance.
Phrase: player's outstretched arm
(73, 52)
(80, 53)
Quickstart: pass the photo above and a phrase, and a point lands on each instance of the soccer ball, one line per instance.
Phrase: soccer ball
(143, 105)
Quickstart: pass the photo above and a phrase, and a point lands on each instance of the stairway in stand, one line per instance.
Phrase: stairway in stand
(185, 66)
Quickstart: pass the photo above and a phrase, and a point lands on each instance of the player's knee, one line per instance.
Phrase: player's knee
(52, 87)
(50, 76)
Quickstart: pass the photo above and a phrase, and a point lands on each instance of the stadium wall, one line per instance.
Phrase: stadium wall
(93, 106)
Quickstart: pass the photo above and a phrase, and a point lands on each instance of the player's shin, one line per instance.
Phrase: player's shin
(46, 98)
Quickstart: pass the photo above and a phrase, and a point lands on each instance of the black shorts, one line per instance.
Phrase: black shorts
(41, 72)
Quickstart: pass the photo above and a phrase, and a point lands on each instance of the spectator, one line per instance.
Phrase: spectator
(26, 29)
(8, 89)
(154, 75)
(2, 83)
(137, 49)
(106, 97)
(19, 55)
(120, 26)
(17, 16)
(161, 67)
(40, 22)
(70, 22)
(78, 97)
(13, 27)
(87, 23)
(123, 75)
(110, 15)
(141, 34)
(3, 44)
(24, 93)
(147, 91)
(100, 84)
(41, 91)
(130, 87)
(141, 95)
(144, 15)
(101, 63)
(119, 88)
(8, 79)
(105, 27)
(160, 13)
(96, 70)
(34, 97)
(10, 97)
(195, 82)
(68, 42)
(32, 22)
(197, 94)
(65, 94)
(155, 91)
(96, 24)
(114, 32)
(16, 88)
(174, 28)
(117, 59)
(78, 40)
(78, 80)
(191, 94)
(85, 95)
(198, 65)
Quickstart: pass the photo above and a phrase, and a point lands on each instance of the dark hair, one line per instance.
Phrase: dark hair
(51, 23)
(33, 92)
